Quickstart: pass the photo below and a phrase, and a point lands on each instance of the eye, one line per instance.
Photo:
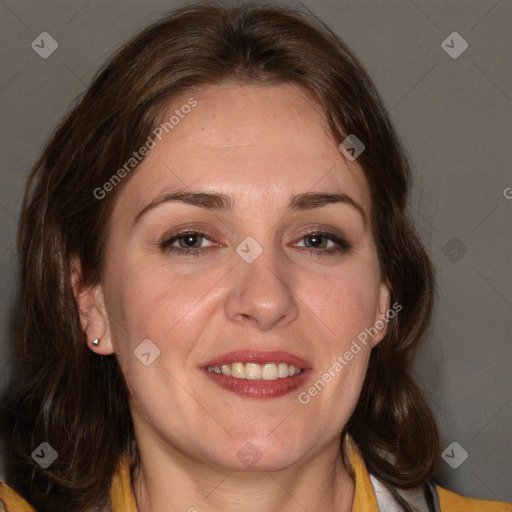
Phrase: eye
(188, 241)
(318, 247)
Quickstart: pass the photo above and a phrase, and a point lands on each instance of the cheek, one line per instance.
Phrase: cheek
(345, 302)
(158, 303)
(168, 309)
(344, 305)
(154, 302)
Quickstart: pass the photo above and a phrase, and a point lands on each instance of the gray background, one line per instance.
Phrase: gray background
(454, 118)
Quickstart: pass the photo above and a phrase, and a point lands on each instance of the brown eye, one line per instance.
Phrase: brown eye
(189, 243)
(317, 242)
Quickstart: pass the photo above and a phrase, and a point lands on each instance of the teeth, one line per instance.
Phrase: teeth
(270, 372)
(254, 371)
(237, 370)
(282, 368)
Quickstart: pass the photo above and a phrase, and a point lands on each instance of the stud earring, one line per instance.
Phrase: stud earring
(96, 342)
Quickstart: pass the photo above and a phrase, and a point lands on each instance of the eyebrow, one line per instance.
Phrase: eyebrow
(222, 202)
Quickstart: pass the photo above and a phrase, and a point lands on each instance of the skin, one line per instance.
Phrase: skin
(260, 145)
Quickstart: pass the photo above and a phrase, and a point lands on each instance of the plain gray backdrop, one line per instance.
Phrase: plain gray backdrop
(453, 115)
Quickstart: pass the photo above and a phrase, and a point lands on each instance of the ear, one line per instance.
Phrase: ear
(381, 318)
(92, 311)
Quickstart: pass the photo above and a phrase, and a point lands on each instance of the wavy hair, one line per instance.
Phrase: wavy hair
(70, 397)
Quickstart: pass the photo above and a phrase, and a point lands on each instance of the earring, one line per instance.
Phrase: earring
(96, 342)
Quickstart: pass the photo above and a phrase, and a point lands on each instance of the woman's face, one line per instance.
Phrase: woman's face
(260, 281)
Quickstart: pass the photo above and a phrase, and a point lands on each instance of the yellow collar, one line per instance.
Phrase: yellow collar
(364, 496)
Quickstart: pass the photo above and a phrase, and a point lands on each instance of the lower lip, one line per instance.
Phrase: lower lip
(259, 388)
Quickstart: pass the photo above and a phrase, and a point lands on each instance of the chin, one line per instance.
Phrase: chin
(257, 453)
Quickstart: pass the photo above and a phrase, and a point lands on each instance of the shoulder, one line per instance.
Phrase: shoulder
(452, 502)
(11, 501)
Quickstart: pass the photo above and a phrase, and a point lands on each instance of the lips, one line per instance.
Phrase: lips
(258, 388)
(258, 356)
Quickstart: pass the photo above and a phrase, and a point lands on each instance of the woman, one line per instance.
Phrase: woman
(221, 288)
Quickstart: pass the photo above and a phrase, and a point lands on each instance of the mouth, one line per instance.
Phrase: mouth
(255, 371)
(258, 374)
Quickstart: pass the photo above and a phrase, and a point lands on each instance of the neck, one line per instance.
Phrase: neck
(170, 480)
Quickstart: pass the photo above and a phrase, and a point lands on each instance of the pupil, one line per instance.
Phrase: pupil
(316, 239)
(192, 239)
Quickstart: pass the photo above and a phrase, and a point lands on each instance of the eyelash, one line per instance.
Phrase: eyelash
(343, 245)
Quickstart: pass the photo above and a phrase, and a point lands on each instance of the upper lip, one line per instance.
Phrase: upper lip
(258, 356)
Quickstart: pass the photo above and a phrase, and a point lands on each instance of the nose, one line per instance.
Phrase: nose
(262, 292)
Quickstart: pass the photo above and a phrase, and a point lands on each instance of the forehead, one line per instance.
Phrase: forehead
(255, 142)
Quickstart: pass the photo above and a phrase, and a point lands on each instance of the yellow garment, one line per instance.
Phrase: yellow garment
(364, 496)
(451, 502)
(13, 502)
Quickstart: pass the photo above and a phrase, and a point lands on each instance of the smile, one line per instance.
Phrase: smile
(255, 371)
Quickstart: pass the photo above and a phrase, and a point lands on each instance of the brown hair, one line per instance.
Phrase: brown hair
(77, 401)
